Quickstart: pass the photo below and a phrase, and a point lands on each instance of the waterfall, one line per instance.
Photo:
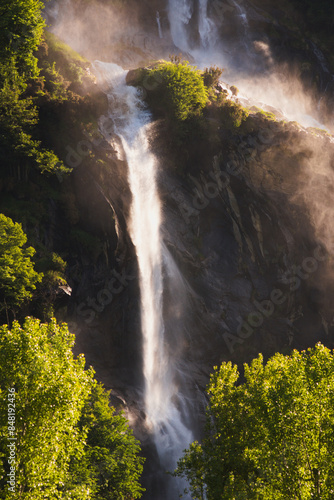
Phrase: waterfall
(163, 405)
(206, 27)
(179, 14)
(258, 88)
(243, 15)
(159, 24)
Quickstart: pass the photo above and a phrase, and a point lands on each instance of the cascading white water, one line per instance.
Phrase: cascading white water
(242, 14)
(179, 14)
(162, 403)
(206, 27)
(159, 24)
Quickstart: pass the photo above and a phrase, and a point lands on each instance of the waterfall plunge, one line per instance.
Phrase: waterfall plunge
(180, 13)
(159, 24)
(163, 404)
(206, 27)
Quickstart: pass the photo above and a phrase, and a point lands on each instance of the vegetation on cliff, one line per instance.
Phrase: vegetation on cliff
(194, 108)
(180, 90)
(21, 34)
(48, 100)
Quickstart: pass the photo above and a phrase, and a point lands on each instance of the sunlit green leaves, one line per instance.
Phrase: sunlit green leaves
(272, 436)
(17, 275)
(111, 452)
(21, 29)
(70, 443)
(182, 89)
(51, 388)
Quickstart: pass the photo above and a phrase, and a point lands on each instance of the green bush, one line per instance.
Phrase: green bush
(232, 115)
(180, 89)
(211, 76)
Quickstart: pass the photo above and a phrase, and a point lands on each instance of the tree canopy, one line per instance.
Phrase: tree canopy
(69, 443)
(21, 29)
(17, 275)
(271, 436)
(111, 464)
(51, 388)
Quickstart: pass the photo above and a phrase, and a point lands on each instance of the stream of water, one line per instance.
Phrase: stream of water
(163, 404)
(159, 25)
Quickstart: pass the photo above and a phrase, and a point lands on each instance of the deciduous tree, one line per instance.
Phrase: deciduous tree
(271, 436)
(69, 442)
(17, 276)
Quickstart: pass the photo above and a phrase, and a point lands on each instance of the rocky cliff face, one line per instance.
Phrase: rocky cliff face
(249, 244)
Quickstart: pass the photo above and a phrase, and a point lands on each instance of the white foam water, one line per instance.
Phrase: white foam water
(163, 404)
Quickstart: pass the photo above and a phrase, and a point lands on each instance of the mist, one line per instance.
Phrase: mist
(114, 32)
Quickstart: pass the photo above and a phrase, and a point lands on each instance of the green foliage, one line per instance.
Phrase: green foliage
(21, 29)
(231, 114)
(234, 90)
(70, 443)
(53, 267)
(211, 76)
(266, 114)
(17, 276)
(112, 466)
(61, 50)
(55, 83)
(181, 89)
(71, 63)
(51, 387)
(270, 437)
(18, 118)
(63, 72)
